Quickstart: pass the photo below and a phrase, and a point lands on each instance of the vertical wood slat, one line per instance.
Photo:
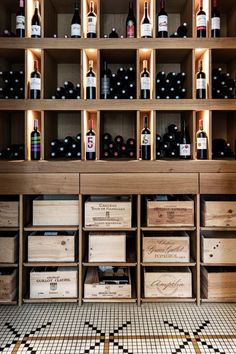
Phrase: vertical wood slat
(198, 231)
(138, 282)
(20, 253)
(80, 243)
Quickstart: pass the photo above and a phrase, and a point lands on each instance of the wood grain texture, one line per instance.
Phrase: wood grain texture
(220, 183)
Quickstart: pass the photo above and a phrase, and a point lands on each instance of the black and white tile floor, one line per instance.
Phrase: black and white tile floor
(118, 329)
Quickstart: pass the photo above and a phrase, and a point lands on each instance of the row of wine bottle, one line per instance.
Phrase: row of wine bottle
(12, 84)
(117, 147)
(170, 85)
(146, 25)
(68, 91)
(69, 147)
(223, 85)
(222, 149)
(13, 152)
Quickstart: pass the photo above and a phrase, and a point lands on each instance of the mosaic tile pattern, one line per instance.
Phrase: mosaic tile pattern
(118, 329)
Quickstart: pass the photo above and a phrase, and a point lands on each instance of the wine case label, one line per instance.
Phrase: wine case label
(90, 81)
(185, 150)
(36, 30)
(202, 143)
(146, 30)
(35, 83)
(130, 29)
(92, 24)
(90, 143)
(145, 139)
(145, 83)
(201, 84)
(20, 22)
(75, 29)
(215, 23)
(163, 23)
(201, 22)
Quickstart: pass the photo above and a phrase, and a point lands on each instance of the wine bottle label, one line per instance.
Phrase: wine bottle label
(202, 143)
(145, 139)
(36, 30)
(35, 143)
(201, 84)
(215, 23)
(201, 22)
(163, 23)
(75, 30)
(90, 143)
(130, 29)
(184, 149)
(20, 22)
(90, 81)
(145, 83)
(35, 83)
(105, 86)
(146, 30)
(92, 24)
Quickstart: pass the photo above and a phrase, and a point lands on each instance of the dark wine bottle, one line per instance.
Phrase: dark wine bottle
(172, 128)
(68, 85)
(119, 140)
(201, 142)
(146, 26)
(20, 20)
(76, 23)
(69, 140)
(182, 30)
(105, 82)
(145, 81)
(131, 143)
(35, 142)
(36, 22)
(90, 142)
(201, 21)
(113, 34)
(162, 20)
(91, 83)
(146, 141)
(201, 82)
(215, 20)
(35, 82)
(131, 22)
(106, 138)
(92, 22)
(185, 145)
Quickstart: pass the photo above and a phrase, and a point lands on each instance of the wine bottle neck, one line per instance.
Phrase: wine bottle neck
(146, 9)
(21, 3)
(145, 122)
(36, 65)
(162, 4)
(90, 124)
(35, 124)
(201, 4)
(91, 6)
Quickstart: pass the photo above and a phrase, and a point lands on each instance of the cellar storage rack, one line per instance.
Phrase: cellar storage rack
(64, 58)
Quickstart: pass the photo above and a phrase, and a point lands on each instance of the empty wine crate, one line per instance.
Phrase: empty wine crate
(166, 248)
(218, 247)
(107, 247)
(51, 247)
(56, 210)
(218, 282)
(9, 214)
(8, 247)
(108, 212)
(218, 213)
(167, 282)
(93, 289)
(170, 213)
(60, 282)
(8, 284)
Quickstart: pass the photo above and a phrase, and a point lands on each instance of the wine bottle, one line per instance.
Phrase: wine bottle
(146, 27)
(131, 22)
(201, 21)
(90, 83)
(36, 22)
(201, 142)
(35, 82)
(7, 33)
(20, 20)
(215, 20)
(69, 140)
(90, 142)
(184, 146)
(106, 138)
(35, 142)
(76, 23)
(105, 82)
(201, 82)
(182, 30)
(131, 143)
(162, 19)
(172, 128)
(113, 34)
(92, 22)
(119, 140)
(145, 81)
(146, 141)
(68, 85)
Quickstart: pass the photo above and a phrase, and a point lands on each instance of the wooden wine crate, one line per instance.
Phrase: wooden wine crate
(55, 210)
(51, 247)
(218, 282)
(8, 247)
(218, 213)
(94, 290)
(107, 247)
(168, 282)
(107, 212)
(9, 214)
(167, 248)
(218, 247)
(170, 213)
(60, 282)
(8, 284)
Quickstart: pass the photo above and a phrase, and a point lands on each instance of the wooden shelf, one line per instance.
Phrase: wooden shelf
(50, 228)
(192, 263)
(109, 229)
(8, 302)
(51, 264)
(110, 300)
(218, 264)
(187, 228)
(218, 228)
(50, 300)
(115, 264)
(6, 229)
(224, 299)
(9, 265)
(168, 299)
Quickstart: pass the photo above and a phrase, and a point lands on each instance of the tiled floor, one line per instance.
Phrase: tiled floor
(118, 328)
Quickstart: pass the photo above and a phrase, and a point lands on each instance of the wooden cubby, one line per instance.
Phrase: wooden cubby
(228, 17)
(8, 15)
(224, 127)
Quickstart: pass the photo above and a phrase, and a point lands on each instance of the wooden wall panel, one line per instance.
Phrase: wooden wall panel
(218, 183)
